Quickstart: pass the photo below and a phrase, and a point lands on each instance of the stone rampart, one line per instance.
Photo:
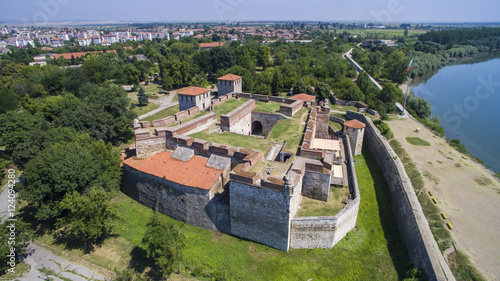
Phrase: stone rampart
(267, 120)
(164, 122)
(325, 232)
(238, 121)
(290, 109)
(413, 226)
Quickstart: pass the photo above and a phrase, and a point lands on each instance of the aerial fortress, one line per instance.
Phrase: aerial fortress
(241, 191)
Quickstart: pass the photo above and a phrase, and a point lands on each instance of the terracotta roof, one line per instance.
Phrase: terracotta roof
(79, 54)
(229, 77)
(193, 91)
(211, 45)
(303, 97)
(354, 124)
(193, 173)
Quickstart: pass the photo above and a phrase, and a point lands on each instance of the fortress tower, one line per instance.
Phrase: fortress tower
(229, 83)
(356, 130)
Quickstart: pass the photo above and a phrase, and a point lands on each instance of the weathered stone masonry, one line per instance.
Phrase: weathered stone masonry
(413, 226)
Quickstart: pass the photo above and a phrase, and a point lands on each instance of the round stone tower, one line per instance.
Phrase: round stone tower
(355, 130)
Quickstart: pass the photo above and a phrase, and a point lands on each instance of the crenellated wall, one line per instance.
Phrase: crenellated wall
(325, 232)
(413, 226)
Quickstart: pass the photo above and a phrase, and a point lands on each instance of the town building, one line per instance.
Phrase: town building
(229, 83)
(194, 96)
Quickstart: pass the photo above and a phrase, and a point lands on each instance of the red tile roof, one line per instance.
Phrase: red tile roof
(193, 173)
(211, 45)
(303, 97)
(193, 91)
(354, 124)
(229, 77)
(78, 54)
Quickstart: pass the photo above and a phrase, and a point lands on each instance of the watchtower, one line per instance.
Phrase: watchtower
(355, 130)
(228, 84)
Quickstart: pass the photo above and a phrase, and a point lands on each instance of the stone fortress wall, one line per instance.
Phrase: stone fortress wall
(260, 209)
(413, 226)
(239, 120)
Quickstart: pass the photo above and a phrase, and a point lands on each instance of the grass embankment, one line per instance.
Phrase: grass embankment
(336, 126)
(284, 130)
(417, 141)
(267, 107)
(162, 113)
(373, 251)
(461, 266)
(315, 208)
(140, 110)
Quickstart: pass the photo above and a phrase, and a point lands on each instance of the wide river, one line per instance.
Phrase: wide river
(467, 98)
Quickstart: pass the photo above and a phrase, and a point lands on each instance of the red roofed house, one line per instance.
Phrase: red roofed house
(228, 84)
(355, 130)
(307, 99)
(178, 184)
(208, 46)
(194, 96)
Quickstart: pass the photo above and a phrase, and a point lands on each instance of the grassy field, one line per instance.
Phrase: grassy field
(228, 106)
(140, 110)
(385, 32)
(267, 107)
(312, 208)
(336, 126)
(284, 130)
(417, 141)
(163, 113)
(373, 251)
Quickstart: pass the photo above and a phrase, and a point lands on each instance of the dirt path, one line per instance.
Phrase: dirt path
(467, 193)
(165, 102)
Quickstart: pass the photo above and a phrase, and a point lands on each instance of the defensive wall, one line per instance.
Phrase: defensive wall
(290, 109)
(413, 226)
(238, 120)
(325, 232)
(361, 106)
(265, 120)
(258, 208)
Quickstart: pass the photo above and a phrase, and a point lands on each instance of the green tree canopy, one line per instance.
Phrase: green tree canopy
(66, 167)
(322, 91)
(164, 244)
(276, 84)
(88, 217)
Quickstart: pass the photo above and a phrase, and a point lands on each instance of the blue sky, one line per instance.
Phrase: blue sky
(40, 11)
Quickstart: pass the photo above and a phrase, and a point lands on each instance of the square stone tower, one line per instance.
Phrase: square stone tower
(356, 131)
(229, 83)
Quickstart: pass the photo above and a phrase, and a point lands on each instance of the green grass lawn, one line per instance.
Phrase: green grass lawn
(336, 126)
(373, 251)
(267, 107)
(228, 106)
(140, 110)
(386, 32)
(343, 108)
(284, 130)
(163, 113)
(417, 141)
(312, 208)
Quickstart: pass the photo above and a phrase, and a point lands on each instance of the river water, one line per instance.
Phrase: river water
(467, 98)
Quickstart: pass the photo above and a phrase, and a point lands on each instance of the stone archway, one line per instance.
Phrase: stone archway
(257, 128)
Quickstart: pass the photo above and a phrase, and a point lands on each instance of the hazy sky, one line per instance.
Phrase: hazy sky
(42, 11)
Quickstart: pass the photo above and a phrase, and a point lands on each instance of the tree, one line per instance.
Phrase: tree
(142, 97)
(300, 87)
(88, 217)
(66, 167)
(221, 58)
(276, 84)
(363, 81)
(396, 66)
(422, 107)
(9, 100)
(263, 89)
(263, 56)
(23, 236)
(322, 91)
(164, 244)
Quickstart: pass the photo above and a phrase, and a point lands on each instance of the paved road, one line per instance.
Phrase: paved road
(164, 103)
(62, 267)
